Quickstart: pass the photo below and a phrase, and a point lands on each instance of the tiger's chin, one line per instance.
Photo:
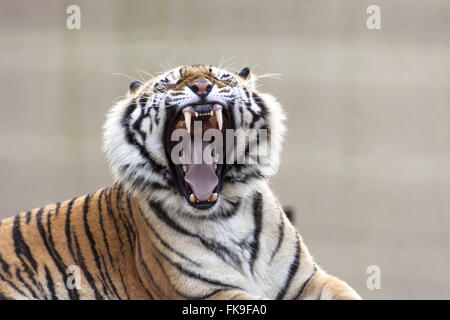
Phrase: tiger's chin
(199, 182)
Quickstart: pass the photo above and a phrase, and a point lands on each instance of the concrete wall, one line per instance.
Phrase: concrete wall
(366, 165)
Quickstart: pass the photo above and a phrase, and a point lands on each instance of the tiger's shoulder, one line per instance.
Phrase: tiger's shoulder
(91, 234)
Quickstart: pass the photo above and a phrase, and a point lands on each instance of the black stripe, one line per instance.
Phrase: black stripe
(67, 227)
(73, 293)
(23, 252)
(125, 223)
(157, 167)
(109, 278)
(21, 247)
(235, 296)
(162, 215)
(163, 242)
(156, 108)
(255, 117)
(49, 245)
(199, 297)
(5, 265)
(50, 284)
(211, 245)
(28, 217)
(112, 217)
(261, 105)
(137, 124)
(141, 181)
(58, 205)
(302, 288)
(126, 118)
(280, 236)
(247, 94)
(105, 240)
(181, 294)
(30, 289)
(124, 284)
(246, 176)
(12, 285)
(241, 110)
(131, 140)
(319, 296)
(157, 288)
(80, 262)
(91, 240)
(165, 275)
(195, 275)
(102, 226)
(221, 251)
(143, 286)
(150, 128)
(226, 213)
(143, 100)
(292, 270)
(257, 220)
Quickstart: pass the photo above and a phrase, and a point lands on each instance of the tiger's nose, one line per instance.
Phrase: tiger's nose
(201, 87)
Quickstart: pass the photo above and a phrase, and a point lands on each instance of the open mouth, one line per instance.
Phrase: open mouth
(198, 169)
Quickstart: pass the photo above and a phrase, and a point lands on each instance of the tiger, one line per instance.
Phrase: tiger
(169, 228)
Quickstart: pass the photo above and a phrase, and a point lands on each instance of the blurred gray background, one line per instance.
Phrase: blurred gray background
(366, 164)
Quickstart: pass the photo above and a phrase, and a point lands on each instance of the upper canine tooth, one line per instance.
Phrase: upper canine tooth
(187, 119)
(219, 118)
(196, 114)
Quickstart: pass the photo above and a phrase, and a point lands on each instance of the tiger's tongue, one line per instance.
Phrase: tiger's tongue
(201, 177)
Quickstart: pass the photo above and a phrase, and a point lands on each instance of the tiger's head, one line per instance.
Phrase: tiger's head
(197, 139)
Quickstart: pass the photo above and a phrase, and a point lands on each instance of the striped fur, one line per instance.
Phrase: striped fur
(139, 239)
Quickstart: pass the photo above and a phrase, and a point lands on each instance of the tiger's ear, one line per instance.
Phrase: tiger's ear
(244, 73)
(134, 86)
(248, 76)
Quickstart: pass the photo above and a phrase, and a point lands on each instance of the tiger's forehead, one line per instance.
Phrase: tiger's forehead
(196, 70)
(179, 77)
(188, 74)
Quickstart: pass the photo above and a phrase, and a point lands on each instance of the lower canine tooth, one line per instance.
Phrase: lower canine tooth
(213, 197)
(193, 198)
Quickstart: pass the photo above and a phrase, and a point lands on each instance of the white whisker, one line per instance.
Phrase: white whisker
(125, 75)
